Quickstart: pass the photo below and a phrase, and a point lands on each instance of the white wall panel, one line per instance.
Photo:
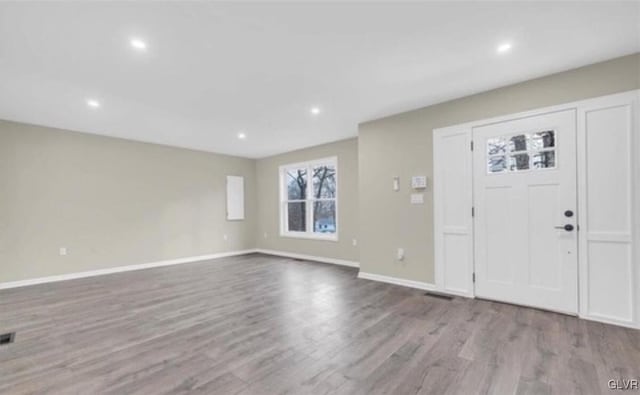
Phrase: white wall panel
(452, 211)
(610, 280)
(235, 198)
(608, 147)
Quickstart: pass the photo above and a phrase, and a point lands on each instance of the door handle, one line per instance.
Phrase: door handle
(567, 227)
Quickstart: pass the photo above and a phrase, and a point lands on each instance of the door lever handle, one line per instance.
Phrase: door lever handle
(567, 227)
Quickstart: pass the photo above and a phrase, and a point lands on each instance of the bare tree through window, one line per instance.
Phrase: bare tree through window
(310, 196)
(324, 207)
(297, 195)
(519, 152)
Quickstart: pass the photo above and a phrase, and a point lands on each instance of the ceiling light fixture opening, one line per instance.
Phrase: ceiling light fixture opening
(502, 48)
(242, 135)
(138, 44)
(315, 110)
(93, 103)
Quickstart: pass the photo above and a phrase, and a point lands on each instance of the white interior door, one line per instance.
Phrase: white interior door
(525, 211)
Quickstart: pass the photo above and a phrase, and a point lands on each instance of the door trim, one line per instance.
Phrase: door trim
(630, 97)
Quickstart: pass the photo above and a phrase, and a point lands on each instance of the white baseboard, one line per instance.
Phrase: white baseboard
(398, 281)
(341, 262)
(611, 321)
(119, 269)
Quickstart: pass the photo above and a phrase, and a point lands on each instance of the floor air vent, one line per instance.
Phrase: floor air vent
(439, 296)
(7, 338)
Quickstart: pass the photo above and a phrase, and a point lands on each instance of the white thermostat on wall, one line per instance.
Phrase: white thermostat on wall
(419, 182)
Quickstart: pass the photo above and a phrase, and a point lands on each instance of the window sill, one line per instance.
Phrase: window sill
(310, 236)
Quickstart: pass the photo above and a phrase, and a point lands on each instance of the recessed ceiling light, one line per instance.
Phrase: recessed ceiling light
(502, 48)
(242, 136)
(138, 44)
(93, 103)
(315, 110)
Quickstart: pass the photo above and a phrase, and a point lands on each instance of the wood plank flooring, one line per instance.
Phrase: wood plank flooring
(258, 324)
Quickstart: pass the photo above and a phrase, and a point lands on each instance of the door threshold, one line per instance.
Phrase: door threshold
(571, 314)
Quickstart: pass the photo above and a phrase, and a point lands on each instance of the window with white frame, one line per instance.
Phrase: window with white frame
(308, 199)
(522, 152)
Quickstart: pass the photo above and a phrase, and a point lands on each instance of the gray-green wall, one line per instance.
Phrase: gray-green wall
(111, 202)
(401, 145)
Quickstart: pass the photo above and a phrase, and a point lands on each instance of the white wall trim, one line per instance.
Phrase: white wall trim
(398, 281)
(334, 261)
(120, 269)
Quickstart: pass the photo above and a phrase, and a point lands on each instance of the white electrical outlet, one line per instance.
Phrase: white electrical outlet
(265, 235)
(354, 242)
(63, 250)
(400, 254)
(225, 237)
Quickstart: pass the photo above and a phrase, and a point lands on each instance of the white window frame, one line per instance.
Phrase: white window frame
(309, 233)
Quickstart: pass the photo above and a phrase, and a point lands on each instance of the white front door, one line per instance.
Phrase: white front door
(525, 211)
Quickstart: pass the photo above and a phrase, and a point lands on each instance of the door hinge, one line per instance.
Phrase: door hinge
(471, 145)
(473, 211)
(473, 277)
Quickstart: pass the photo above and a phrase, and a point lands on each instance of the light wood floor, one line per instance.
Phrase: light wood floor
(265, 325)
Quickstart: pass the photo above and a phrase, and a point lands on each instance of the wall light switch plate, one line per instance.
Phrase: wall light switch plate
(63, 250)
(396, 183)
(417, 198)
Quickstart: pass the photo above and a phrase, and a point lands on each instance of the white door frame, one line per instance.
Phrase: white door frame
(581, 107)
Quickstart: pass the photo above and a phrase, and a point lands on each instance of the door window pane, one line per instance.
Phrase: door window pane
(543, 160)
(497, 164)
(296, 217)
(542, 140)
(518, 143)
(324, 216)
(496, 146)
(324, 182)
(296, 184)
(519, 162)
(520, 152)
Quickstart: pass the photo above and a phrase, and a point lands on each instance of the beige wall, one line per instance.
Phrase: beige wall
(401, 145)
(111, 202)
(268, 202)
(115, 202)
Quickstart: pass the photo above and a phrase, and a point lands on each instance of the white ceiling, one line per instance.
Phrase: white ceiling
(212, 70)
